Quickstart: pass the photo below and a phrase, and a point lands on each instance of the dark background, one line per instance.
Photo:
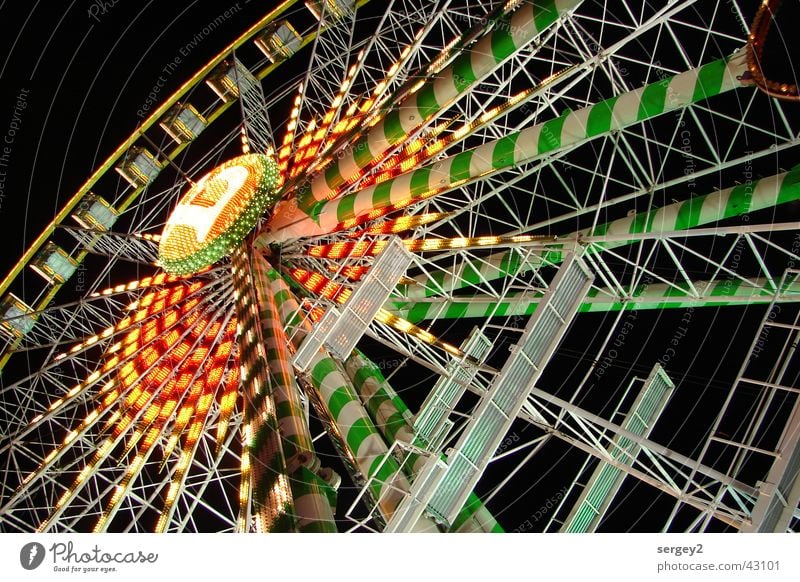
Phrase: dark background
(86, 78)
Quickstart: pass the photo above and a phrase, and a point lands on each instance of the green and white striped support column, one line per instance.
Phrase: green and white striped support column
(570, 129)
(697, 211)
(508, 36)
(389, 412)
(392, 418)
(362, 439)
(727, 292)
(312, 496)
(341, 402)
(271, 493)
(292, 317)
(291, 417)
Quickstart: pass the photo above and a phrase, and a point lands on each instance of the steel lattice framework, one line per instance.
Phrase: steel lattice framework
(476, 189)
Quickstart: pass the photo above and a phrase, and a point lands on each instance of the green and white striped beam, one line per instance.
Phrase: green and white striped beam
(572, 128)
(726, 292)
(508, 36)
(474, 517)
(312, 495)
(389, 412)
(295, 323)
(364, 444)
(393, 419)
(264, 463)
(701, 210)
(388, 484)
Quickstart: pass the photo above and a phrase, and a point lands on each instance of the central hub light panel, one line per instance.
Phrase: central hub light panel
(217, 213)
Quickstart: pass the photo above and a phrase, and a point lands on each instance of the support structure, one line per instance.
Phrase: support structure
(766, 388)
(431, 422)
(255, 111)
(606, 480)
(437, 94)
(363, 448)
(503, 401)
(265, 468)
(393, 419)
(516, 148)
(339, 331)
(314, 497)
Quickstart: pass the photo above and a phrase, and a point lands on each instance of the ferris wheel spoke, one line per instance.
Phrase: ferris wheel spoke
(139, 505)
(477, 272)
(695, 166)
(171, 516)
(257, 130)
(429, 98)
(332, 42)
(361, 87)
(619, 192)
(536, 141)
(575, 57)
(67, 323)
(131, 248)
(123, 487)
(399, 43)
(719, 292)
(403, 45)
(73, 321)
(708, 209)
(140, 406)
(74, 358)
(396, 80)
(195, 414)
(203, 470)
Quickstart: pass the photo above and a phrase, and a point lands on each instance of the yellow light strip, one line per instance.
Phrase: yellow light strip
(227, 404)
(132, 472)
(371, 248)
(242, 521)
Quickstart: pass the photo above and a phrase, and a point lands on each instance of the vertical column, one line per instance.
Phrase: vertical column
(314, 499)
(263, 464)
(363, 444)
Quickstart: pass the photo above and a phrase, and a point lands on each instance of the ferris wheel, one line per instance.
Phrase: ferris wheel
(476, 246)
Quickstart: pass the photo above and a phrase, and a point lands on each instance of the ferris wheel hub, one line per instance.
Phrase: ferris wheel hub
(217, 213)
